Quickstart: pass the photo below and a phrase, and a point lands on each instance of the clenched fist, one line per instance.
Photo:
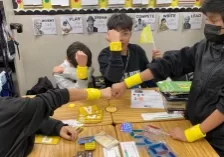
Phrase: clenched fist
(81, 58)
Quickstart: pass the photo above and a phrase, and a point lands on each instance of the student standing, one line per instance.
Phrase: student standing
(205, 108)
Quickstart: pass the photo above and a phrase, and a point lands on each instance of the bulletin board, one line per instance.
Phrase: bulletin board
(54, 7)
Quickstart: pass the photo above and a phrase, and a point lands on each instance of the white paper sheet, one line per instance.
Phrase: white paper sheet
(146, 99)
(163, 1)
(143, 19)
(137, 1)
(72, 123)
(129, 149)
(160, 116)
(60, 2)
(71, 24)
(169, 21)
(89, 2)
(192, 21)
(32, 2)
(114, 2)
(43, 25)
(113, 152)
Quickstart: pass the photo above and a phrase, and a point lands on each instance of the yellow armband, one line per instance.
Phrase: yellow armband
(115, 46)
(93, 94)
(133, 80)
(82, 72)
(194, 133)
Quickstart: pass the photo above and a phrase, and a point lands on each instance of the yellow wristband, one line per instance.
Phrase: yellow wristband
(93, 94)
(194, 133)
(133, 80)
(82, 72)
(115, 46)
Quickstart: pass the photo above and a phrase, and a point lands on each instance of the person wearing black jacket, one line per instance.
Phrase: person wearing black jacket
(205, 108)
(21, 118)
(115, 66)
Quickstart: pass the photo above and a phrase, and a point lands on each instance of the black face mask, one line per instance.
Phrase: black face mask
(213, 33)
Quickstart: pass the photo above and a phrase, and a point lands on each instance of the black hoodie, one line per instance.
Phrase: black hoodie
(113, 66)
(21, 118)
(206, 60)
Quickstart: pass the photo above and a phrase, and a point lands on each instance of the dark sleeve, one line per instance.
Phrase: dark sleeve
(50, 127)
(144, 60)
(111, 65)
(176, 65)
(27, 114)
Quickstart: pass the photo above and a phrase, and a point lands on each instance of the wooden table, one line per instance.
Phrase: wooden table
(65, 112)
(127, 114)
(199, 148)
(70, 148)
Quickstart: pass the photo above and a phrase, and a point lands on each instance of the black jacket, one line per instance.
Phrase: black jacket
(21, 118)
(113, 69)
(206, 60)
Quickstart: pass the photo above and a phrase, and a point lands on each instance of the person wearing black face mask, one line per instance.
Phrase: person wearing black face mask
(205, 108)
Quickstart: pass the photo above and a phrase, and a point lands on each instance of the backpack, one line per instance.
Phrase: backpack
(42, 86)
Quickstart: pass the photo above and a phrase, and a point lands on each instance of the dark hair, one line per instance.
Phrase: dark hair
(120, 21)
(163, 19)
(213, 6)
(74, 48)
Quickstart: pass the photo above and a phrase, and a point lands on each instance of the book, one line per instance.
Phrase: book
(174, 86)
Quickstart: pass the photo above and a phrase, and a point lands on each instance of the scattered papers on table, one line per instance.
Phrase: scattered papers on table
(160, 116)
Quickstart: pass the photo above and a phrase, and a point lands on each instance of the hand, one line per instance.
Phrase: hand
(58, 69)
(68, 133)
(81, 58)
(106, 93)
(156, 54)
(178, 134)
(118, 89)
(113, 36)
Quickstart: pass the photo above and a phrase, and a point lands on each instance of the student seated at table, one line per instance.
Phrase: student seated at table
(129, 59)
(21, 118)
(79, 57)
(205, 108)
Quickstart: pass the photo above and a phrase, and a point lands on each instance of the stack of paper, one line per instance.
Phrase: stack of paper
(116, 3)
(163, 3)
(60, 2)
(140, 3)
(32, 2)
(89, 3)
(160, 116)
(186, 3)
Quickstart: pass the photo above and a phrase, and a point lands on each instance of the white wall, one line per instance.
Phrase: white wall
(40, 54)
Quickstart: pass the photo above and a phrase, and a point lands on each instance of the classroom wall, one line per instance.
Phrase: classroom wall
(40, 54)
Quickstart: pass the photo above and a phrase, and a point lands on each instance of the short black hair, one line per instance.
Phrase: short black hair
(74, 48)
(163, 19)
(120, 22)
(213, 6)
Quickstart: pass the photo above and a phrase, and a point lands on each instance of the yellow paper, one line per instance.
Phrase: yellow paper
(128, 3)
(90, 114)
(146, 35)
(75, 4)
(47, 4)
(51, 140)
(152, 3)
(197, 3)
(174, 3)
(103, 3)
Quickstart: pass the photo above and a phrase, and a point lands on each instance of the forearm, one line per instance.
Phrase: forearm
(146, 75)
(115, 68)
(213, 121)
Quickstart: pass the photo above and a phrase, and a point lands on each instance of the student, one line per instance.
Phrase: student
(129, 60)
(78, 56)
(205, 108)
(21, 118)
